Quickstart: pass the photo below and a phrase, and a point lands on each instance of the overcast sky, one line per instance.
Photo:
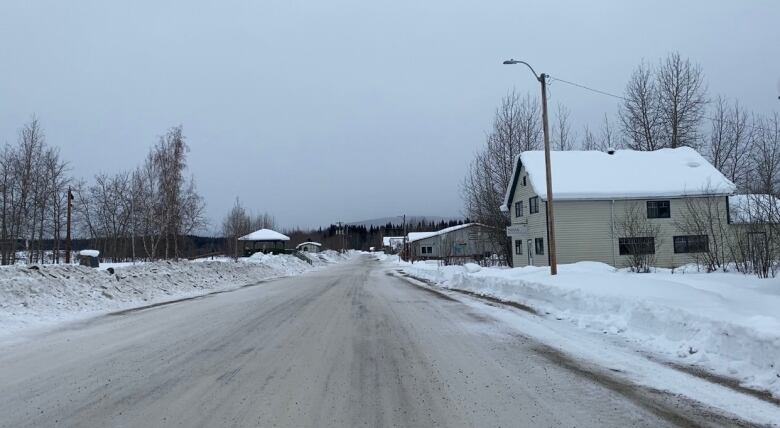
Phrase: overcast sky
(320, 111)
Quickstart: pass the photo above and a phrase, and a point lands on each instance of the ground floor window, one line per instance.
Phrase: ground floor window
(427, 250)
(539, 244)
(636, 245)
(519, 247)
(691, 244)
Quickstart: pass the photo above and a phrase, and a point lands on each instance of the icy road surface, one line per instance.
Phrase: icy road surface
(347, 346)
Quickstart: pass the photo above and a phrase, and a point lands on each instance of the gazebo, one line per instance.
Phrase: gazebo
(265, 240)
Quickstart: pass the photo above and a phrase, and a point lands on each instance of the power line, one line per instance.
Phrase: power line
(598, 91)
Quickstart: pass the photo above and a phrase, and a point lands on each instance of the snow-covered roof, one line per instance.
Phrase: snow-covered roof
(308, 243)
(388, 240)
(416, 236)
(625, 174)
(754, 208)
(264, 235)
(89, 253)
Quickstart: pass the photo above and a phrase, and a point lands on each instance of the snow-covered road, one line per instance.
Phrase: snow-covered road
(350, 345)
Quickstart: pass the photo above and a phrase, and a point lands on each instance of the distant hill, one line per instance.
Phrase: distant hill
(399, 220)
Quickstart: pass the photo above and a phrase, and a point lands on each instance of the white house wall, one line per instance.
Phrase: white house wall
(584, 229)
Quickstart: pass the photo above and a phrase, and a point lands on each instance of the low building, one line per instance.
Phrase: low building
(309, 247)
(263, 240)
(455, 244)
(392, 244)
(89, 258)
(613, 206)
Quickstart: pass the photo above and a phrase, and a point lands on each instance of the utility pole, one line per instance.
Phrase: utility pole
(68, 241)
(542, 78)
(548, 171)
(340, 231)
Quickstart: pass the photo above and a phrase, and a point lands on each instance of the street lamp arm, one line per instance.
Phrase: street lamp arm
(515, 61)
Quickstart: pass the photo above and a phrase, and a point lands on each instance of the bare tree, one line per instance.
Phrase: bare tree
(639, 238)
(664, 106)
(562, 136)
(517, 127)
(707, 217)
(640, 113)
(682, 99)
(730, 140)
(589, 141)
(235, 225)
(610, 138)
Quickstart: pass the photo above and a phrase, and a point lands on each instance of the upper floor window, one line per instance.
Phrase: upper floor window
(533, 205)
(658, 209)
(519, 209)
(524, 182)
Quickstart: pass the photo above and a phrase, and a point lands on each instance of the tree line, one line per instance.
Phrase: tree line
(146, 213)
(665, 104)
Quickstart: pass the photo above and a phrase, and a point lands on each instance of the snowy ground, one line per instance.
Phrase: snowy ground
(39, 298)
(725, 324)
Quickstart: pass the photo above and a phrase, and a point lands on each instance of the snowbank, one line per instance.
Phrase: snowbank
(726, 323)
(54, 293)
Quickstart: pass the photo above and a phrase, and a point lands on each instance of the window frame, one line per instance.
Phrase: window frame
(519, 209)
(519, 248)
(659, 207)
(682, 244)
(539, 246)
(424, 247)
(622, 245)
(533, 205)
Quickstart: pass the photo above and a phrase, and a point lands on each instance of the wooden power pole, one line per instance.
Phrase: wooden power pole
(548, 171)
(68, 240)
(542, 78)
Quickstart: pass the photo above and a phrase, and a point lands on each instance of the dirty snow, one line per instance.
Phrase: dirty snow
(50, 294)
(725, 323)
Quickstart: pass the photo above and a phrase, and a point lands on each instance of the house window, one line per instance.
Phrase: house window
(691, 244)
(519, 209)
(533, 205)
(539, 244)
(427, 250)
(524, 182)
(658, 209)
(636, 246)
(519, 247)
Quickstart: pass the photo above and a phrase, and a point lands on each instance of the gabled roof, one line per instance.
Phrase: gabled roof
(264, 235)
(416, 236)
(626, 174)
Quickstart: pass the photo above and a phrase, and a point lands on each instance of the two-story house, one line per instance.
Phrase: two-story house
(594, 192)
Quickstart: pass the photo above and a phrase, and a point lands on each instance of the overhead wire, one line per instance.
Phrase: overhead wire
(599, 91)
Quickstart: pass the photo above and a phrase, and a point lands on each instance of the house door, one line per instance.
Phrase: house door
(530, 252)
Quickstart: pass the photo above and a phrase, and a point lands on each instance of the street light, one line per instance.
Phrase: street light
(542, 78)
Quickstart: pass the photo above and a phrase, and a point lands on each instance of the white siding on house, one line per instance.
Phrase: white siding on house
(588, 229)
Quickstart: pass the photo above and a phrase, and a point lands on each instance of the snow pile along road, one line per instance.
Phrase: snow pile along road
(42, 295)
(725, 323)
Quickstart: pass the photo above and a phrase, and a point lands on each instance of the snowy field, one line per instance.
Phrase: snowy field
(727, 324)
(38, 298)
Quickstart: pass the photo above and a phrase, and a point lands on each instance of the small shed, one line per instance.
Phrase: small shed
(309, 247)
(455, 244)
(263, 240)
(392, 244)
(89, 258)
